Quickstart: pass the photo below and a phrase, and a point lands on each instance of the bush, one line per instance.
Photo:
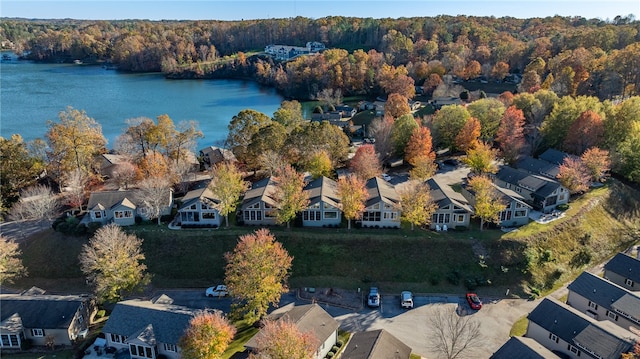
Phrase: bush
(335, 348)
(339, 343)
(562, 207)
(101, 313)
(434, 279)
(454, 277)
(330, 354)
(93, 227)
(470, 283)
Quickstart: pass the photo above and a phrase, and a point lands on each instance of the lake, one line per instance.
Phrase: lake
(32, 93)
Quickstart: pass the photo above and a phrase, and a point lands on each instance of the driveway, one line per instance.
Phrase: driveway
(20, 230)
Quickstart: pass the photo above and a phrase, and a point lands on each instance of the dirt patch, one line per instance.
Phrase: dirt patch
(333, 296)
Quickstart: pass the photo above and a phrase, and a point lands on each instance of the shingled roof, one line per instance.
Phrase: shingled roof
(625, 266)
(381, 191)
(443, 195)
(523, 348)
(604, 339)
(606, 294)
(39, 311)
(323, 189)
(262, 190)
(375, 344)
(149, 322)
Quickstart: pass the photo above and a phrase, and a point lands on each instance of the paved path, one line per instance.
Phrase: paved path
(21, 230)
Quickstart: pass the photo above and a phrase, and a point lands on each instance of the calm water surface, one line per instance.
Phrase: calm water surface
(33, 93)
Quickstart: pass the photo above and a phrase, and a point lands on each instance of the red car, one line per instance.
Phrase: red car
(474, 301)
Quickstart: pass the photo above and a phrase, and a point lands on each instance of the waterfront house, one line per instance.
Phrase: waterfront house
(120, 207)
(259, 204)
(198, 209)
(324, 204)
(211, 156)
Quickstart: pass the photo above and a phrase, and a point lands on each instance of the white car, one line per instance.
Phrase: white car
(217, 291)
(386, 177)
(406, 299)
(373, 300)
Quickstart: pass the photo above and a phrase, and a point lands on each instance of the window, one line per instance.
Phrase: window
(574, 350)
(390, 215)
(553, 337)
(441, 218)
(209, 215)
(97, 214)
(612, 315)
(37, 332)
(193, 206)
(593, 305)
(460, 218)
(80, 319)
(123, 214)
(520, 214)
(148, 352)
(9, 340)
(330, 215)
(518, 189)
(170, 347)
(628, 282)
(133, 350)
(116, 338)
(371, 216)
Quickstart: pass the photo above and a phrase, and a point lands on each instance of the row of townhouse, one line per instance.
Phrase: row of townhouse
(150, 329)
(600, 319)
(287, 52)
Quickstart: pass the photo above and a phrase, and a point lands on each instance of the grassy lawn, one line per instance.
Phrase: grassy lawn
(536, 256)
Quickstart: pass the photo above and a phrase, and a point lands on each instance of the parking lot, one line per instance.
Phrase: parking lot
(412, 326)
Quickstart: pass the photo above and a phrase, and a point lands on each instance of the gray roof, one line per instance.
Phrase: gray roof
(262, 190)
(523, 348)
(538, 166)
(199, 195)
(606, 294)
(554, 156)
(540, 186)
(602, 338)
(110, 199)
(147, 321)
(375, 344)
(381, 191)
(323, 189)
(625, 266)
(309, 318)
(443, 195)
(216, 154)
(40, 311)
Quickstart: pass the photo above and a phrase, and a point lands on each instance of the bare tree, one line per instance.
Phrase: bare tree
(272, 161)
(154, 196)
(10, 262)
(125, 174)
(381, 129)
(75, 188)
(453, 336)
(330, 97)
(112, 262)
(36, 202)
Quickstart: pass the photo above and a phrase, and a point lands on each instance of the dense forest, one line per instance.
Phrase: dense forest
(570, 55)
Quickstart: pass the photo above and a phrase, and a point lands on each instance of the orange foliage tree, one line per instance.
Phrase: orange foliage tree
(365, 163)
(420, 145)
(597, 163)
(396, 105)
(283, 339)
(585, 132)
(207, 336)
(469, 134)
(574, 175)
(510, 134)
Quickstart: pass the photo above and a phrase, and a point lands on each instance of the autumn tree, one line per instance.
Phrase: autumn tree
(74, 142)
(227, 185)
(585, 132)
(489, 112)
(510, 136)
(271, 161)
(454, 336)
(353, 195)
(365, 163)
(37, 202)
(154, 164)
(416, 203)
(10, 262)
(124, 174)
(469, 135)
(289, 114)
(207, 336)
(283, 339)
(627, 154)
(420, 146)
(597, 163)
(481, 158)
(329, 97)
(488, 203)
(423, 168)
(113, 263)
(270, 137)
(256, 274)
(319, 165)
(401, 133)
(154, 195)
(565, 111)
(574, 175)
(289, 194)
(19, 168)
(396, 106)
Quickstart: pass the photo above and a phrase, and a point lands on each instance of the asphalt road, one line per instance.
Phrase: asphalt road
(20, 230)
(412, 326)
